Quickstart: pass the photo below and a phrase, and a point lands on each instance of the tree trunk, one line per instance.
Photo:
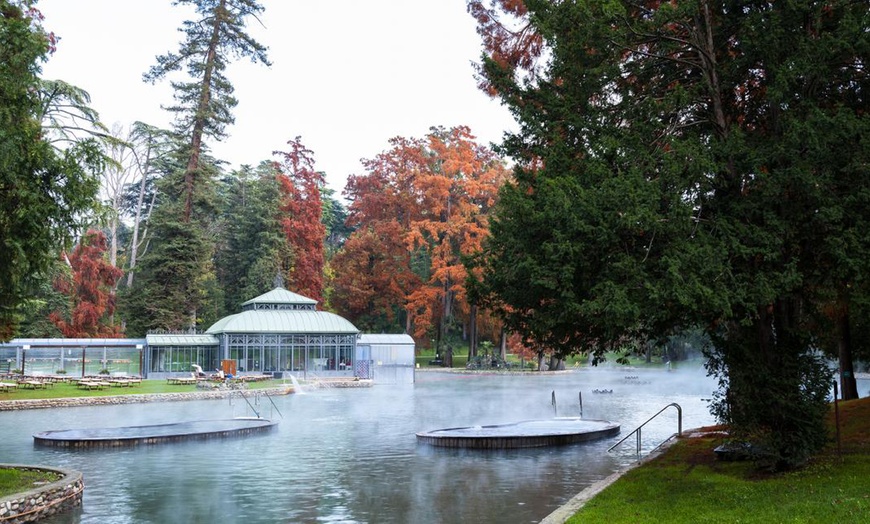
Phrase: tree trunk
(134, 245)
(192, 170)
(446, 313)
(848, 384)
(472, 339)
(503, 345)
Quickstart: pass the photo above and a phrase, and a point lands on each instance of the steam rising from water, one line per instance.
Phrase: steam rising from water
(350, 455)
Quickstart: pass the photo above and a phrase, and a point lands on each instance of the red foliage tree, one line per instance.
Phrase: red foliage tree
(90, 287)
(373, 276)
(302, 207)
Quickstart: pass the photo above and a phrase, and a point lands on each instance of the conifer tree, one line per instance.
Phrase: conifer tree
(680, 164)
(203, 104)
(44, 192)
(178, 282)
(254, 248)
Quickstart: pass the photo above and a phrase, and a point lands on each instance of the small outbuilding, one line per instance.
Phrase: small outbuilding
(391, 357)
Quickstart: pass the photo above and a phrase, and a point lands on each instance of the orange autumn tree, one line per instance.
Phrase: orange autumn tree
(508, 37)
(457, 187)
(302, 209)
(90, 287)
(373, 270)
(433, 194)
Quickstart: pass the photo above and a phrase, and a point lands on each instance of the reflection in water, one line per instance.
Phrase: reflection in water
(351, 455)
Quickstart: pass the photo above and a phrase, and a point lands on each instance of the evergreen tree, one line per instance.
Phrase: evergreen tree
(686, 164)
(253, 250)
(204, 103)
(37, 308)
(44, 192)
(176, 279)
(179, 285)
(334, 220)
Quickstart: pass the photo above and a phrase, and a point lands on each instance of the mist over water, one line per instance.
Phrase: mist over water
(351, 455)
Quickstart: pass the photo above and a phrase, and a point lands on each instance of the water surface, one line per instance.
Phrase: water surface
(351, 455)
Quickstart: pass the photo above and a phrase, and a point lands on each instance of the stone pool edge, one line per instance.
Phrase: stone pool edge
(44, 501)
(133, 398)
(139, 398)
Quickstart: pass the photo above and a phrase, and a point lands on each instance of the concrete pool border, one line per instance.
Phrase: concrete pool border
(133, 398)
(576, 503)
(140, 398)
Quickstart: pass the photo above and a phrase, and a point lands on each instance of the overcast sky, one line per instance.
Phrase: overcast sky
(347, 75)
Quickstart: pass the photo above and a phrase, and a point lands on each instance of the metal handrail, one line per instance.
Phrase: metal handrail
(638, 429)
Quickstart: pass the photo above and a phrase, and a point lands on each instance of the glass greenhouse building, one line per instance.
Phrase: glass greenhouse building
(281, 331)
(276, 333)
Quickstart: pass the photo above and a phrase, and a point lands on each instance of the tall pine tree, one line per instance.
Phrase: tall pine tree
(178, 283)
(203, 104)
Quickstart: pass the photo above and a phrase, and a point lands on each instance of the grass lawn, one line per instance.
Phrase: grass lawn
(61, 390)
(16, 481)
(460, 358)
(688, 484)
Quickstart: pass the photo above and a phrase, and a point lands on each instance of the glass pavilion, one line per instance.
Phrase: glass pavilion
(281, 331)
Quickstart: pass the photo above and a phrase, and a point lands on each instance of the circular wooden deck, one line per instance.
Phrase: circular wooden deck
(153, 434)
(527, 434)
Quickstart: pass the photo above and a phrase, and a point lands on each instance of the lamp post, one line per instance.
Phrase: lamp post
(24, 349)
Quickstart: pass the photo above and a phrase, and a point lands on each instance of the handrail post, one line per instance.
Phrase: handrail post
(638, 430)
(679, 419)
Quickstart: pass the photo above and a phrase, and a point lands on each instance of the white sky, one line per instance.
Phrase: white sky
(346, 75)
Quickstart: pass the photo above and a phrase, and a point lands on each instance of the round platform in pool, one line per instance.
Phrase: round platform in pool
(558, 431)
(153, 434)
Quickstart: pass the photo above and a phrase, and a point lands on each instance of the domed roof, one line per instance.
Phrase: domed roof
(282, 321)
(279, 295)
(282, 311)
